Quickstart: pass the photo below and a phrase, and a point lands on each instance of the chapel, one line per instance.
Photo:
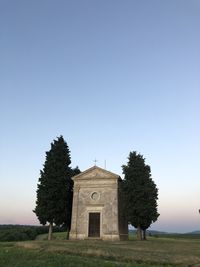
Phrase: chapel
(97, 211)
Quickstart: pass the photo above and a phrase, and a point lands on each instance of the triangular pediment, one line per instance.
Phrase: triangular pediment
(95, 173)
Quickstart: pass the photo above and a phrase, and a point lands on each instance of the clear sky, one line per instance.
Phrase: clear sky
(111, 77)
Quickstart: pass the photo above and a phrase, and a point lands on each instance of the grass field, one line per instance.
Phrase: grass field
(60, 252)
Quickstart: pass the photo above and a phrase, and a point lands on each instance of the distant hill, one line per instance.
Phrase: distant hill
(9, 232)
(154, 232)
(150, 232)
(194, 233)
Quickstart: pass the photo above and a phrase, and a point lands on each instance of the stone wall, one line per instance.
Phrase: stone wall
(95, 190)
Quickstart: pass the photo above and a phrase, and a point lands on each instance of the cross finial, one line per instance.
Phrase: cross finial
(95, 162)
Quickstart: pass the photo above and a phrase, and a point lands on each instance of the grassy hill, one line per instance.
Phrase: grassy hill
(55, 236)
(60, 252)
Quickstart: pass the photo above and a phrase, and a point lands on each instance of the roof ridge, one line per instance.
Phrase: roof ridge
(93, 168)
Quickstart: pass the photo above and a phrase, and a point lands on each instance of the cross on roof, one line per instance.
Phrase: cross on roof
(95, 161)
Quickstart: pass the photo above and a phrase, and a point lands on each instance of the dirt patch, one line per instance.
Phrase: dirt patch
(28, 245)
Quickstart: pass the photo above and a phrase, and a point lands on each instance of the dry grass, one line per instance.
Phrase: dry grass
(156, 251)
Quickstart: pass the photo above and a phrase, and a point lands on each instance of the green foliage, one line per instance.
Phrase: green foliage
(75, 171)
(55, 186)
(140, 192)
(20, 232)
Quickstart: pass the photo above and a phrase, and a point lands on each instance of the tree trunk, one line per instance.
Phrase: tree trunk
(144, 234)
(50, 231)
(139, 233)
(67, 233)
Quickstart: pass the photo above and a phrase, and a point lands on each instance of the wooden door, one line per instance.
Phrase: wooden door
(94, 224)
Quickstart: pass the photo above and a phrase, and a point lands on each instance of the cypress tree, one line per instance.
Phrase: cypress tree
(55, 187)
(140, 194)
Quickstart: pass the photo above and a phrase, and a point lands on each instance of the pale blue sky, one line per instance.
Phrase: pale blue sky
(110, 76)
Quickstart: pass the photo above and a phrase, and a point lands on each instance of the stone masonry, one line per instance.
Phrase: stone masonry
(95, 212)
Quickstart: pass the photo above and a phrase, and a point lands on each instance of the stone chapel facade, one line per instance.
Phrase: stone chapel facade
(96, 211)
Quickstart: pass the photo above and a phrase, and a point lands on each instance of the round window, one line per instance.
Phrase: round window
(95, 196)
